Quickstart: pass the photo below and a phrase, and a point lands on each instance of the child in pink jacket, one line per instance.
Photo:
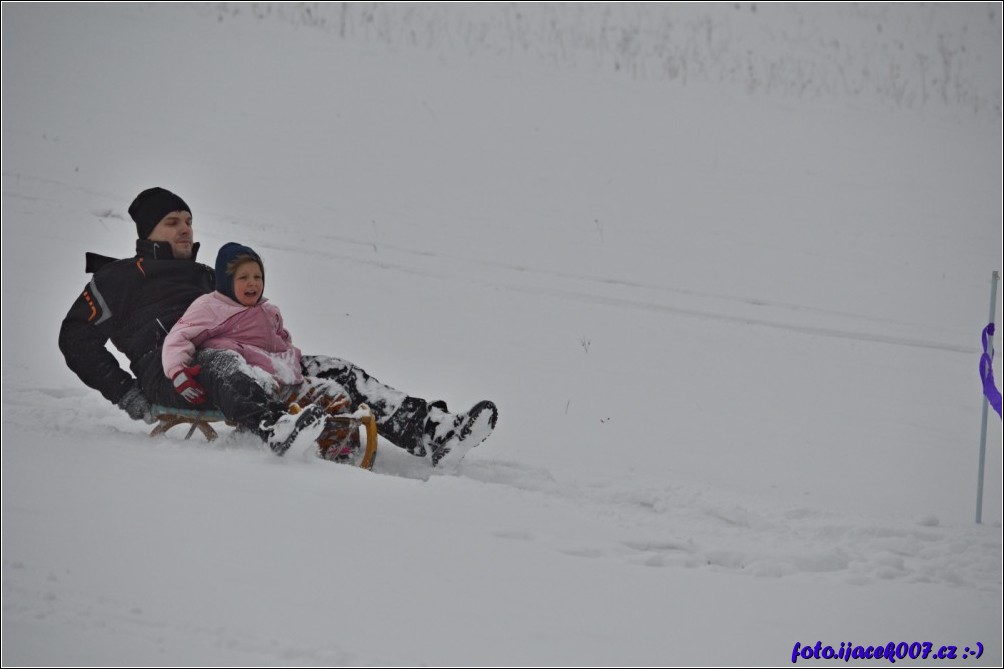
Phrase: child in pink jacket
(236, 317)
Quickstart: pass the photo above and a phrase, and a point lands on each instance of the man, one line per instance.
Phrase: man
(134, 303)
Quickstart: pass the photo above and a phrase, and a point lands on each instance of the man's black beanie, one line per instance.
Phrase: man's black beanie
(151, 206)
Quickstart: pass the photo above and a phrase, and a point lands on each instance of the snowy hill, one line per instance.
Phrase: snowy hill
(723, 269)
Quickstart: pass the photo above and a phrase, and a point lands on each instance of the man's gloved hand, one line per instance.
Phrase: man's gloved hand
(186, 385)
(136, 405)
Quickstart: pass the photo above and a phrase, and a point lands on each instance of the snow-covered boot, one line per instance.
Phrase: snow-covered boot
(449, 436)
(297, 427)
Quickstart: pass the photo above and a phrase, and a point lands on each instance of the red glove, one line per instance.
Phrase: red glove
(186, 385)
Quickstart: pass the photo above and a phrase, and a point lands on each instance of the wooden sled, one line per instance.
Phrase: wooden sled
(364, 456)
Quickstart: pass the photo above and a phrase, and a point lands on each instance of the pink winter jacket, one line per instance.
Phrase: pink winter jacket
(257, 333)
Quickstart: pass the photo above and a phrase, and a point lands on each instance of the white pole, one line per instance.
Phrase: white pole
(986, 404)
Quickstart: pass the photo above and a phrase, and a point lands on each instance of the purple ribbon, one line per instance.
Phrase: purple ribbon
(987, 370)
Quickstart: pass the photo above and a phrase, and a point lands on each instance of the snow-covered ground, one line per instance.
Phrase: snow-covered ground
(725, 277)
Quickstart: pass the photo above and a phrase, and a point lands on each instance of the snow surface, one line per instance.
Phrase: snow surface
(723, 269)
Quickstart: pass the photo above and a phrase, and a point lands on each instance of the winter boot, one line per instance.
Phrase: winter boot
(297, 427)
(449, 436)
(336, 441)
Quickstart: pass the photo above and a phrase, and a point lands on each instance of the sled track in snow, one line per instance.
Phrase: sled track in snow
(640, 522)
(730, 303)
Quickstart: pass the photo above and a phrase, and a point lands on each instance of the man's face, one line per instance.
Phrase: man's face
(176, 230)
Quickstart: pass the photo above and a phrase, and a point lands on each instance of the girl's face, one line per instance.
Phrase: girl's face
(248, 283)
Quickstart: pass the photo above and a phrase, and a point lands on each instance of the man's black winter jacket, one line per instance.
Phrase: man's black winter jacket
(133, 303)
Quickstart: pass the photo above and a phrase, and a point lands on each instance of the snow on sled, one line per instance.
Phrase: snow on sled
(341, 441)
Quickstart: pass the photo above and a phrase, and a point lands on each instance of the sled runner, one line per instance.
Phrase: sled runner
(170, 416)
(340, 441)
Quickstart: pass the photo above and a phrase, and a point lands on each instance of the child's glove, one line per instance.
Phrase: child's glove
(186, 385)
(136, 405)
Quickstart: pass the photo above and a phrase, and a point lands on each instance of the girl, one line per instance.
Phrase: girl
(256, 370)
